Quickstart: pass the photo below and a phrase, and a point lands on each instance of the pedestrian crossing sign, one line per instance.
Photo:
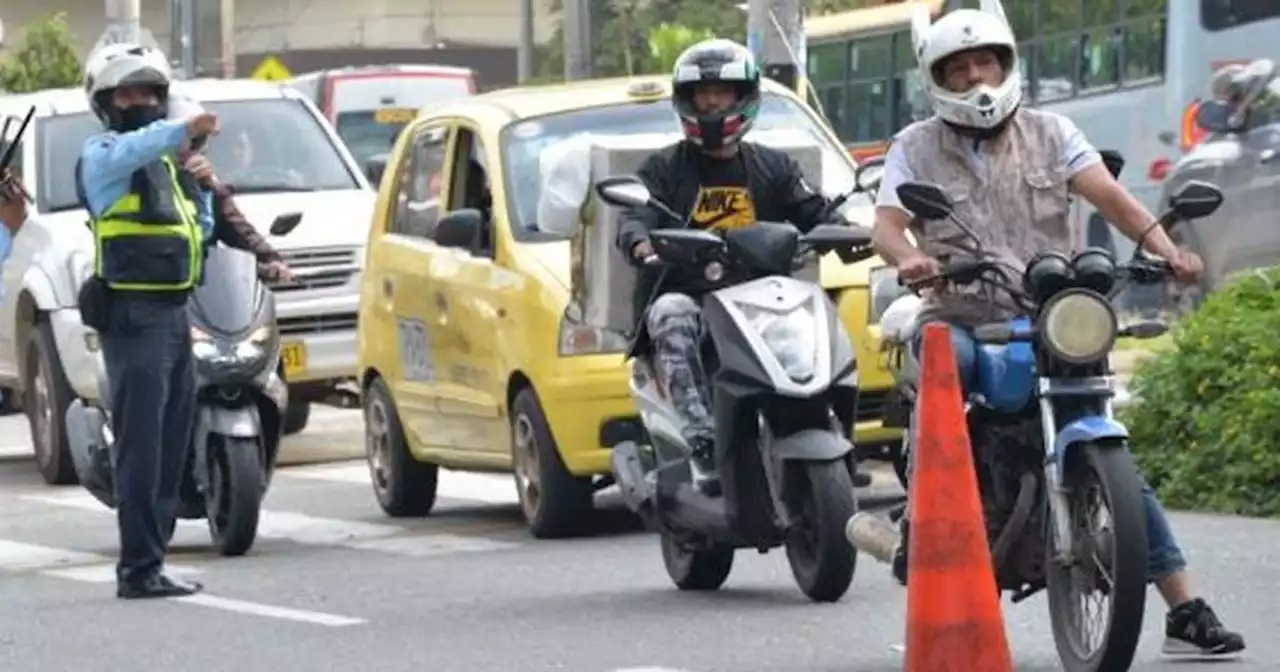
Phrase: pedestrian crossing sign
(271, 70)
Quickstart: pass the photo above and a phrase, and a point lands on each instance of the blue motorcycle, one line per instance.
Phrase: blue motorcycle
(1061, 494)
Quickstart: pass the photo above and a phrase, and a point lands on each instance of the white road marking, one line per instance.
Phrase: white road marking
(106, 572)
(17, 556)
(269, 611)
(486, 488)
(281, 525)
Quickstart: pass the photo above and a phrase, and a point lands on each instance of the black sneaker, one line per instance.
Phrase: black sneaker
(1193, 630)
(705, 478)
(899, 564)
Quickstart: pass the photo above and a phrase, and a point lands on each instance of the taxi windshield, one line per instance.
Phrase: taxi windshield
(524, 142)
(264, 146)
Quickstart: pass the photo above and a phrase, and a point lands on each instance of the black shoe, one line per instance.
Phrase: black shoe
(156, 587)
(899, 564)
(1193, 630)
(705, 478)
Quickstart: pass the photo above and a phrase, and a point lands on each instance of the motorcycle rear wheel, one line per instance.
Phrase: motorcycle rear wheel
(1120, 553)
(821, 559)
(234, 500)
(693, 569)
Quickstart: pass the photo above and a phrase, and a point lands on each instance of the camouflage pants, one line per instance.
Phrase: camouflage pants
(674, 322)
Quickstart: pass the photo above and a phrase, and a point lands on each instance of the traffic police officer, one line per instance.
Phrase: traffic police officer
(148, 218)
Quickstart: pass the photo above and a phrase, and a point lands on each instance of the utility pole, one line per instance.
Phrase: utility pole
(183, 36)
(577, 39)
(124, 21)
(524, 57)
(775, 36)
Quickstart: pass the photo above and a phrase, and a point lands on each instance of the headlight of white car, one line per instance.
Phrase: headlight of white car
(581, 339)
(1078, 326)
(789, 336)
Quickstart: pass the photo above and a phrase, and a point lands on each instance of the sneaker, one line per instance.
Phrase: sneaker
(1193, 630)
(703, 467)
(899, 564)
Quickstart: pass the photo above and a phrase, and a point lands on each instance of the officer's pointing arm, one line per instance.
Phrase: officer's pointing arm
(116, 156)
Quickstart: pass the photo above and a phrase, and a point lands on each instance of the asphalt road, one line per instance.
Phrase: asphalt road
(334, 585)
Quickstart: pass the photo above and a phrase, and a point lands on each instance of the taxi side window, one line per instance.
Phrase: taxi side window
(470, 185)
(418, 184)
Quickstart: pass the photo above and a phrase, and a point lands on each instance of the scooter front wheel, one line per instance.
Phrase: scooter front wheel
(692, 569)
(234, 500)
(821, 559)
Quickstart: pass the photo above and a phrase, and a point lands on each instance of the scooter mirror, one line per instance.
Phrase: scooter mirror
(623, 192)
(927, 201)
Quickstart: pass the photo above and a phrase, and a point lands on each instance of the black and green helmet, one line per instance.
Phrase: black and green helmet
(716, 62)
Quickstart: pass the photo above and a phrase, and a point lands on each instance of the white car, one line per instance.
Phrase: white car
(278, 154)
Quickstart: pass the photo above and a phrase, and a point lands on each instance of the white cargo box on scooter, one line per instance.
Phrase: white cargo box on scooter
(602, 281)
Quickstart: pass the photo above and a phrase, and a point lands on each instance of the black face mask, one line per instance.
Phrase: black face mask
(137, 116)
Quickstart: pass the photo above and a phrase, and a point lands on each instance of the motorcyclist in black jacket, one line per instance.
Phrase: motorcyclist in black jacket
(722, 182)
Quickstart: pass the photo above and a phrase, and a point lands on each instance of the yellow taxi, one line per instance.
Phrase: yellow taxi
(465, 359)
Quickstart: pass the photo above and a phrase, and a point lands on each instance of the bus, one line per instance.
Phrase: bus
(1129, 73)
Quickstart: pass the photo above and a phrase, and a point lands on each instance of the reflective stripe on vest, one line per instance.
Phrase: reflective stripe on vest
(136, 253)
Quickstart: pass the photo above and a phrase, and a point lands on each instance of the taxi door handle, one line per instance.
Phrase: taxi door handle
(388, 287)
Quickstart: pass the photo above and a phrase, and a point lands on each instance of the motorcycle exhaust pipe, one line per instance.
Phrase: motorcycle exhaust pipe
(874, 535)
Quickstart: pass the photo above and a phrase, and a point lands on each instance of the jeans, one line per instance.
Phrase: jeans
(1164, 557)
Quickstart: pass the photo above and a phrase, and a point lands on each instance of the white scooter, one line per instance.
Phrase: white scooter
(784, 390)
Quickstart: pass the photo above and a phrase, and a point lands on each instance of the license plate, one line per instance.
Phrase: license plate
(395, 115)
(294, 356)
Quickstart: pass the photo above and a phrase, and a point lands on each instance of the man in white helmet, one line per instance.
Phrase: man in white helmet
(1011, 172)
(149, 219)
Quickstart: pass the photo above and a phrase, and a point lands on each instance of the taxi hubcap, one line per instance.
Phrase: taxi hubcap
(378, 444)
(526, 464)
(43, 416)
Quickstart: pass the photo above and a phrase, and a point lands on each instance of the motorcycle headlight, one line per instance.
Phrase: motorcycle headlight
(581, 339)
(790, 337)
(1078, 326)
(246, 351)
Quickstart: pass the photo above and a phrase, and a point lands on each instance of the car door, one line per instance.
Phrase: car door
(15, 267)
(403, 306)
(469, 307)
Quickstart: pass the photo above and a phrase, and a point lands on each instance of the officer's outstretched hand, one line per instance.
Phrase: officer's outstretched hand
(202, 124)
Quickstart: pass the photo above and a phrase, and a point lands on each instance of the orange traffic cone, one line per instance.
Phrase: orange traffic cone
(954, 620)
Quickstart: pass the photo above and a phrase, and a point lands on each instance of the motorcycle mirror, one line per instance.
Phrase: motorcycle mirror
(1113, 160)
(1195, 199)
(927, 201)
(623, 192)
(286, 223)
(867, 176)
(1144, 330)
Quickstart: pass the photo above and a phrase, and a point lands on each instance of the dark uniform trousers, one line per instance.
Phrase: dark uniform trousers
(147, 351)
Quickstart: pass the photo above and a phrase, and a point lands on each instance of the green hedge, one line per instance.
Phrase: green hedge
(1205, 422)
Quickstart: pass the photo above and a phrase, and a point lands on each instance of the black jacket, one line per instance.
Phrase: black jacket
(675, 176)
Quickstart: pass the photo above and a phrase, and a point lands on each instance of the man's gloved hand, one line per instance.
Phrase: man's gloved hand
(199, 165)
(643, 253)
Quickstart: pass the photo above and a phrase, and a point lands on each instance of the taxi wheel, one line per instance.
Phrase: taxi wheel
(48, 396)
(555, 503)
(404, 486)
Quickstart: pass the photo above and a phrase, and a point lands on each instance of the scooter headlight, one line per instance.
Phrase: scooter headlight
(246, 353)
(1078, 326)
(790, 337)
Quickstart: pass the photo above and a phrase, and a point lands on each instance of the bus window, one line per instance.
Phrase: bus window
(1223, 14)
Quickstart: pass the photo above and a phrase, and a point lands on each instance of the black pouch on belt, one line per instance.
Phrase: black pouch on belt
(95, 304)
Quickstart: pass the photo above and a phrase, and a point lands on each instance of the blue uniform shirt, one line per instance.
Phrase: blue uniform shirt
(109, 160)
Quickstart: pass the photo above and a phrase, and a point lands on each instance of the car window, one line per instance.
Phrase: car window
(264, 146)
(368, 133)
(524, 142)
(417, 200)
(469, 183)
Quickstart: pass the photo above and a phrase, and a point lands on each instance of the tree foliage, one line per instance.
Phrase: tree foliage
(45, 58)
(623, 31)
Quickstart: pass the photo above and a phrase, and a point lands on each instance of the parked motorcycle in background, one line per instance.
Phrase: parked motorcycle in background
(240, 402)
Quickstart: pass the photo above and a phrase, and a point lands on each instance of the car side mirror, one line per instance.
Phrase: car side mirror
(925, 200)
(459, 229)
(286, 223)
(867, 177)
(623, 191)
(375, 167)
(1113, 160)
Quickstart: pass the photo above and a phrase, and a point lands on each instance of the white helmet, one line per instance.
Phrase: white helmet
(982, 107)
(119, 65)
